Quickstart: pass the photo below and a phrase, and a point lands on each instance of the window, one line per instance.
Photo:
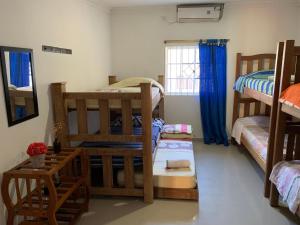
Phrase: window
(182, 70)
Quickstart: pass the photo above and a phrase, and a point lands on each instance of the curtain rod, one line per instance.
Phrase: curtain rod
(189, 41)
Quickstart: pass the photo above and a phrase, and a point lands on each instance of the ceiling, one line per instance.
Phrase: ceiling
(130, 3)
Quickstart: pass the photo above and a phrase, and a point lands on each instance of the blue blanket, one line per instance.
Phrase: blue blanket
(118, 162)
(257, 80)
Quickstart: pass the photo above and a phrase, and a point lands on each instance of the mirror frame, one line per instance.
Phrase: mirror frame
(12, 122)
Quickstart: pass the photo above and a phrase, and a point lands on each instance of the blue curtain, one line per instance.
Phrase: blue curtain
(19, 75)
(213, 61)
(19, 68)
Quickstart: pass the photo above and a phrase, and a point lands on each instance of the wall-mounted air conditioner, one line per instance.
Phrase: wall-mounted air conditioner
(194, 13)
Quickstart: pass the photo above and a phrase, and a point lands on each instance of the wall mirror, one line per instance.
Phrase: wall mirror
(17, 69)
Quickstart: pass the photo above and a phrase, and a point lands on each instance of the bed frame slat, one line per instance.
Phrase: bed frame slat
(297, 72)
(260, 64)
(272, 64)
(290, 147)
(297, 148)
(267, 110)
(128, 172)
(126, 117)
(82, 116)
(104, 116)
(246, 109)
(250, 66)
(107, 171)
(257, 108)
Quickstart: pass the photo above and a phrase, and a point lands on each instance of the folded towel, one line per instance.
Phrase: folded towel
(177, 129)
(178, 164)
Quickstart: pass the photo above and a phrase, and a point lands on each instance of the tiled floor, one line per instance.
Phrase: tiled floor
(231, 192)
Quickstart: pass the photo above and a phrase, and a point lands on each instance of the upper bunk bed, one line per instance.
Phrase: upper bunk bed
(124, 99)
(255, 109)
(259, 87)
(290, 89)
(286, 160)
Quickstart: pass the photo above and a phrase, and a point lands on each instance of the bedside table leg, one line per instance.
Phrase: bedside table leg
(52, 219)
(10, 218)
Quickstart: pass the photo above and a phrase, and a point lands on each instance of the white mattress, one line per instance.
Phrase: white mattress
(163, 178)
(115, 104)
(176, 178)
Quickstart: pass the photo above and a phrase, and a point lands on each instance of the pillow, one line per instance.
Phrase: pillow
(136, 81)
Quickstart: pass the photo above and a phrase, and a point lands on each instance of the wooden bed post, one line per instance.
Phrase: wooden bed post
(59, 114)
(112, 79)
(161, 80)
(146, 108)
(236, 107)
(287, 70)
(272, 128)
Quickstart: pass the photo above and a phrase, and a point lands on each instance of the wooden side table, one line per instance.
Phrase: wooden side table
(57, 192)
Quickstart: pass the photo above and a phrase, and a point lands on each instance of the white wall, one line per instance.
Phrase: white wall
(138, 34)
(76, 24)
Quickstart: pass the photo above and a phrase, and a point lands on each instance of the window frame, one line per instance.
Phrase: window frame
(195, 90)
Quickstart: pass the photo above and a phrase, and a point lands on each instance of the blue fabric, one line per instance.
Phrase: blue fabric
(213, 63)
(118, 162)
(255, 80)
(19, 75)
(19, 68)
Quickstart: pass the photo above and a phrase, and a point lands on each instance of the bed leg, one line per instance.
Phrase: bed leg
(161, 108)
(274, 111)
(59, 114)
(147, 145)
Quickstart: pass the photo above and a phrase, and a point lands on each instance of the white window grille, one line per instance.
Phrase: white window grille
(182, 70)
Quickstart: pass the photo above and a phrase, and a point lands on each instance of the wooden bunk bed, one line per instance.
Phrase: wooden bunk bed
(254, 103)
(146, 102)
(288, 116)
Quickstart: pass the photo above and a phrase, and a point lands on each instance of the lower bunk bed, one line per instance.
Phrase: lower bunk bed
(178, 182)
(286, 177)
(253, 133)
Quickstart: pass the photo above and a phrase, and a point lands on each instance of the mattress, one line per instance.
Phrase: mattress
(261, 85)
(116, 104)
(258, 81)
(257, 138)
(166, 178)
(286, 177)
(290, 109)
(255, 129)
(176, 178)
